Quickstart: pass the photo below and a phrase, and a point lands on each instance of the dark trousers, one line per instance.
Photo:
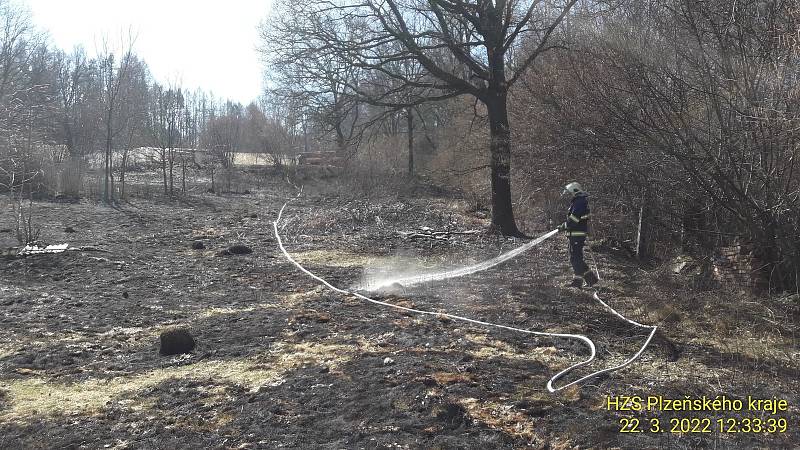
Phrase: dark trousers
(576, 255)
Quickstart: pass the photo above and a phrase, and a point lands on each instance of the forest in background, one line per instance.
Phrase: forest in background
(680, 117)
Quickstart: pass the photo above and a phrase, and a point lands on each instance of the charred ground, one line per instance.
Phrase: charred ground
(281, 362)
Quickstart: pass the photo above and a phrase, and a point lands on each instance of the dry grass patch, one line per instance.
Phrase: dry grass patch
(77, 340)
(334, 258)
(38, 396)
(296, 300)
(764, 346)
(30, 397)
(452, 377)
(488, 347)
(6, 351)
(208, 233)
(214, 312)
(500, 417)
(492, 348)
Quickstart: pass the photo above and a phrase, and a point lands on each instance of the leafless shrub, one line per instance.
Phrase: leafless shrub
(19, 174)
(681, 118)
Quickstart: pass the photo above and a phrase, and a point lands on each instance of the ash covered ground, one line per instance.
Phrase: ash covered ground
(281, 362)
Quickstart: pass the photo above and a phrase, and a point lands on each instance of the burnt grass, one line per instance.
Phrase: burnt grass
(282, 362)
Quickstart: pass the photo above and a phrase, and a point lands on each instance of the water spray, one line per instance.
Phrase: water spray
(470, 270)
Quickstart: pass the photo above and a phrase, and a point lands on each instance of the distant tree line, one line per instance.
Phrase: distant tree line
(69, 107)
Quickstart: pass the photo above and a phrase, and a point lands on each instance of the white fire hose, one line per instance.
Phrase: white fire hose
(475, 268)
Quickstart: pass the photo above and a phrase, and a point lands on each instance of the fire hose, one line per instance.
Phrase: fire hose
(476, 268)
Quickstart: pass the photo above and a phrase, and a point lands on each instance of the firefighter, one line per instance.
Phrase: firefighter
(576, 229)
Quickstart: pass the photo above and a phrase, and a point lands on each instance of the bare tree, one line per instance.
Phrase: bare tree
(321, 84)
(223, 138)
(133, 115)
(166, 122)
(465, 47)
(284, 131)
(24, 104)
(113, 75)
(75, 90)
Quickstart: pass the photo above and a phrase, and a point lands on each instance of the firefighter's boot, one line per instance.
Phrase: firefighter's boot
(591, 278)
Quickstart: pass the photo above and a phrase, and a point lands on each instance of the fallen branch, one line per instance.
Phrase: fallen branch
(430, 234)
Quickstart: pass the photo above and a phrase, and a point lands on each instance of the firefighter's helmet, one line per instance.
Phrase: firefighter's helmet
(573, 189)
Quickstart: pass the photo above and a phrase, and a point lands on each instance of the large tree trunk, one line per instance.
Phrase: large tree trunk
(122, 174)
(500, 163)
(410, 120)
(164, 169)
(171, 172)
(213, 186)
(341, 141)
(106, 187)
(694, 229)
(70, 140)
(108, 195)
(305, 136)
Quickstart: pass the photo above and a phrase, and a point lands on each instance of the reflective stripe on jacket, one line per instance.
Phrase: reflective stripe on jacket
(577, 224)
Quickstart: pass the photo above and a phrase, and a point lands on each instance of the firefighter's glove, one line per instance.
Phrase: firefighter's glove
(562, 227)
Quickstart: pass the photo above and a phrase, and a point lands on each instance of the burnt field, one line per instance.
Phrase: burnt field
(282, 362)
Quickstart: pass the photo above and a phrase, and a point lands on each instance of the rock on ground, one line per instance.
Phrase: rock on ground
(236, 249)
(176, 341)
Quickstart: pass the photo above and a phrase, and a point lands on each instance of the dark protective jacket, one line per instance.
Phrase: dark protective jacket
(577, 224)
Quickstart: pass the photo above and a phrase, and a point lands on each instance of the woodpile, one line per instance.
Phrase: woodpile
(320, 159)
(739, 266)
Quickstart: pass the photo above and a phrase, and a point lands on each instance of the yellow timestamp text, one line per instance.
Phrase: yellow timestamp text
(703, 425)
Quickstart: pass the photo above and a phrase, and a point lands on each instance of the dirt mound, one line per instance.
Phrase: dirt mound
(236, 249)
(176, 341)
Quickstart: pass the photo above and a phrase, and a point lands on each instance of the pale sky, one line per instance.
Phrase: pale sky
(204, 44)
